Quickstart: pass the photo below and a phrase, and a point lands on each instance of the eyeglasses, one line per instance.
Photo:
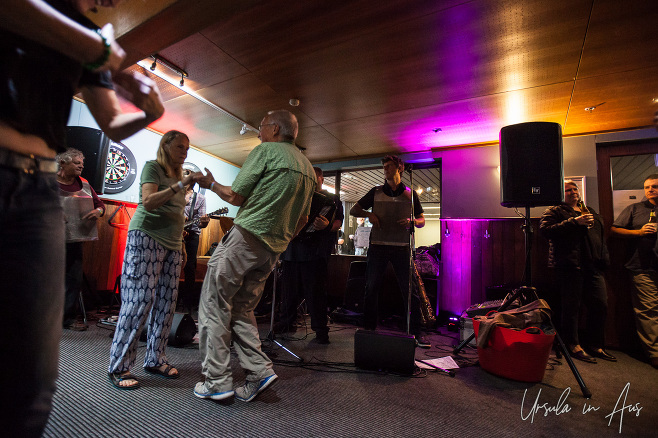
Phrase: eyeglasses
(260, 127)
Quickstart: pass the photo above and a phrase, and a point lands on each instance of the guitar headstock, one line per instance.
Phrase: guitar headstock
(218, 213)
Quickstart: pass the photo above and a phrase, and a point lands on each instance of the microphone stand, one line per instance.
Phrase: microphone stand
(412, 249)
(270, 335)
(412, 245)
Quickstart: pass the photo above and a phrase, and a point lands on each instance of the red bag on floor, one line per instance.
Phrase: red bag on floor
(515, 354)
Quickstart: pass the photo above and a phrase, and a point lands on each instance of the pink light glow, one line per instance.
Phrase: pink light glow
(419, 135)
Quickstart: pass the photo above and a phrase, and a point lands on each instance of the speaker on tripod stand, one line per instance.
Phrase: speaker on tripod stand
(531, 175)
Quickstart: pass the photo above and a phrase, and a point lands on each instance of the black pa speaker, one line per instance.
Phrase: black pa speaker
(94, 145)
(531, 171)
(385, 352)
(182, 331)
(356, 287)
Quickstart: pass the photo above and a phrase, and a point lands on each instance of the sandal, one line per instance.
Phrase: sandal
(164, 373)
(117, 378)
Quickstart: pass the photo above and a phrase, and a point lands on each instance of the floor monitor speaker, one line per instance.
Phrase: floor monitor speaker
(183, 330)
(531, 165)
(384, 351)
(94, 145)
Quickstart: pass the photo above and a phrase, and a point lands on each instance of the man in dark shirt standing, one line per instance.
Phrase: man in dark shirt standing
(635, 222)
(389, 241)
(49, 51)
(305, 269)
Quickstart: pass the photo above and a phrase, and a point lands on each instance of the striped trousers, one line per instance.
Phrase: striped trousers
(149, 287)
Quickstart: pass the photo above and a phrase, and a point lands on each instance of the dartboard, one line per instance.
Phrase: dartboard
(121, 168)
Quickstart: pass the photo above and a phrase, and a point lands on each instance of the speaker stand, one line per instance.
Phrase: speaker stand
(270, 336)
(532, 293)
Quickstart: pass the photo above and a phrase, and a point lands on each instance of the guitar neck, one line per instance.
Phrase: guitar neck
(213, 215)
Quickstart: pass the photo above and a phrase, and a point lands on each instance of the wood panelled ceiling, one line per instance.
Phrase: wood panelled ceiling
(376, 77)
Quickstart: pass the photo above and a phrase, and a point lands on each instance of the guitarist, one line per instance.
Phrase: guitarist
(195, 212)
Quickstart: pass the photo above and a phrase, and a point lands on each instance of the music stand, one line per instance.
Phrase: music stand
(270, 336)
(527, 231)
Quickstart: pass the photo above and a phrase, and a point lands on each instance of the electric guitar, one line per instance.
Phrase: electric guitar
(214, 215)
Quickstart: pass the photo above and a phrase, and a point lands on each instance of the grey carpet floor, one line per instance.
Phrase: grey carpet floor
(326, 396)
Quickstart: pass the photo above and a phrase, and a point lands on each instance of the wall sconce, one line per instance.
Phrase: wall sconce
(447, 231)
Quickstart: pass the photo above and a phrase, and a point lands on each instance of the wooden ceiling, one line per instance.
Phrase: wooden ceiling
(376, 77)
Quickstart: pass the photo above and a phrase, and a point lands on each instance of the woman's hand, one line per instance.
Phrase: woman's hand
(190, 178)
(93, 215)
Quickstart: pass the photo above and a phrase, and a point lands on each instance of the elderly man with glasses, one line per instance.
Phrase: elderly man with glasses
(273, 190)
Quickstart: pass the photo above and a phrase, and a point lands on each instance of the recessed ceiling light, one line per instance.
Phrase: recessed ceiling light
(435, 130)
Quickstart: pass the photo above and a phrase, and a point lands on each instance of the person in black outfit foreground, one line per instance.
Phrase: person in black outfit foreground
(49, 51)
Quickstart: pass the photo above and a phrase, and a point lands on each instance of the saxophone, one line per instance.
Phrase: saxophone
(427, 318)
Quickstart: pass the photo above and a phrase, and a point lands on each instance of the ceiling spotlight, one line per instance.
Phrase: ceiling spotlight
(294, 102)
(589, 109)
(161, 73)
(170, 65)
(435, 130)
(243, 130)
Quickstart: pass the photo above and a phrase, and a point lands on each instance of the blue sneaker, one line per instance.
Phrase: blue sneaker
(252, 388)
(201, 390)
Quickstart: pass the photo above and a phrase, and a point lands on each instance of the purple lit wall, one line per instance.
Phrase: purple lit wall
(478, 253)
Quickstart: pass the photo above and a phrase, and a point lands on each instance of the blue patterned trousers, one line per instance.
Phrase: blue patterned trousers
(149, 287)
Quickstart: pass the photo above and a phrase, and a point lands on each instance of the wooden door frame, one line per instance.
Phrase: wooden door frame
(620, 328)
(606, 150)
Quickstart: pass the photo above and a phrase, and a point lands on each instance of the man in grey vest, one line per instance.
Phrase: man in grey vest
(389, 241)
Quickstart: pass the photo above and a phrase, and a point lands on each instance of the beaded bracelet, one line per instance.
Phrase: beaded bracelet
(103, 58)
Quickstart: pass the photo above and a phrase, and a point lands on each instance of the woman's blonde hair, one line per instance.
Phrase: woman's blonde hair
(164, 159)
(570, 182)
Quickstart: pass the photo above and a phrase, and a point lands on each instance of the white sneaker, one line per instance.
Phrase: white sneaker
(201, 390)
(252, 388)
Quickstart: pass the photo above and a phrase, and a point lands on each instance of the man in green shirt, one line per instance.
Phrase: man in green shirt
(273, 190)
